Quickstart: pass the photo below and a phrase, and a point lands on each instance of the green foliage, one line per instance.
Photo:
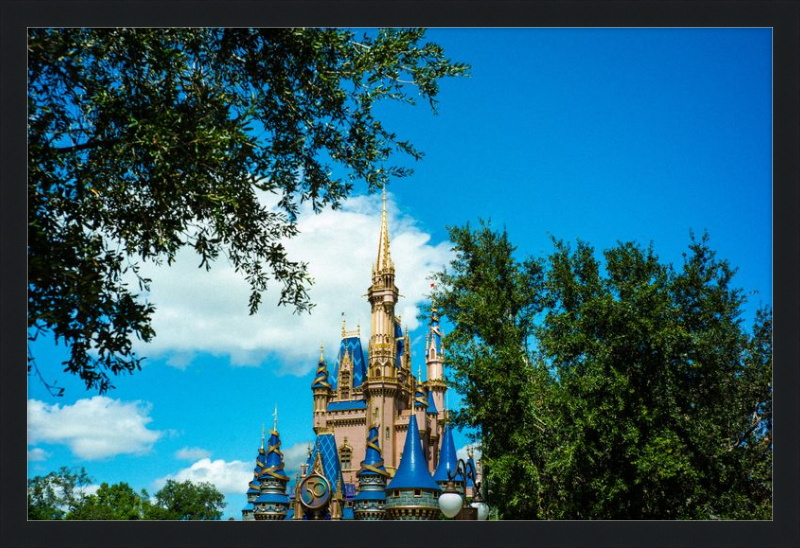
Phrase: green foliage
(112, 502)
(621, 390)
(186, 501)
(144, 141)
(56, 494)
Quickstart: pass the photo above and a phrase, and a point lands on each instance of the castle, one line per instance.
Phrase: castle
(363, 410)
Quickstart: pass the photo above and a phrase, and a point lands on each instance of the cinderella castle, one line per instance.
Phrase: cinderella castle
(383, 449)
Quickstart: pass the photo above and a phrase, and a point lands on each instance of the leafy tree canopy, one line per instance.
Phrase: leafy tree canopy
(621, 389)
(56, 494)
(144, 141)
(112, 502)
(186, 501)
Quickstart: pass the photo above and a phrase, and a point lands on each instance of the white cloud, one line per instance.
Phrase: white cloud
(93, 428)
(228, 477)
(294, 457)
(37, 454)
(192, 453)
(199, 311)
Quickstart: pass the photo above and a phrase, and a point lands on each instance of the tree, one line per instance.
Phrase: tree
(112, 502)
(639, 394)
(492, 300)
(186, 501)
(54, 495)
(145, 141)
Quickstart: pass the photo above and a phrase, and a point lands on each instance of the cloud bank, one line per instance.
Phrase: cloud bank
(229, 477)
(94, 428)
(206, 312)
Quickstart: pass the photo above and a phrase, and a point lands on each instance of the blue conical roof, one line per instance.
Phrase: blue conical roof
(419, 397)
(471, 461)
(372, 465)
(413, 470)
(274, 462)
(448, 461)
(431, 404)
(321, 377)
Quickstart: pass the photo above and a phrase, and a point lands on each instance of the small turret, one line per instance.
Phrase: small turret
(412, 494)
(273, 502)
(322, 392)
(370, 500)
(434, 360)
(254, 487)
(448, 461)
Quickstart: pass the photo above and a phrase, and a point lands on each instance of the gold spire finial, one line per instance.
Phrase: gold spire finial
(321, 352)
(419, 373)
(384, 257)
(344, 324)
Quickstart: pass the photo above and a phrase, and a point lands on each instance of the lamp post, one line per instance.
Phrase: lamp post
(453, 505)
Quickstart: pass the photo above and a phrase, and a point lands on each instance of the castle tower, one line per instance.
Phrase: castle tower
(434, 360)
(371, 497)
(254, 487)
(322, 394)
(412, 494)
(273, 502)
(382, 387)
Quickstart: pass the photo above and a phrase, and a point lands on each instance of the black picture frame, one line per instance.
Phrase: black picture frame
(782, 16)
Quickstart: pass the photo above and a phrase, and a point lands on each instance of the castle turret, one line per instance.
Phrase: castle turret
(273, 502)
(371, 497)
(254, 487)
(448, 461)
(434, 360)
(412, 494)
(322, 393)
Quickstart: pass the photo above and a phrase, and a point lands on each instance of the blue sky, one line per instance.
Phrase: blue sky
(598, 134)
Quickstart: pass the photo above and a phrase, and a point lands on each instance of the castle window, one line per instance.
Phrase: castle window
(345, 455)
(417, 493)
(387, 432)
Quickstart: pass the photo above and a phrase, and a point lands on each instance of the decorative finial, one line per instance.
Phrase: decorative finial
(344, 324)
(419, 373)
(263, 434)
(275, 414)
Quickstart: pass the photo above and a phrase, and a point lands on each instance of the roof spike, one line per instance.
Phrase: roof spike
(384, 257)
(275, 423)
(321, 352)
(263, 434)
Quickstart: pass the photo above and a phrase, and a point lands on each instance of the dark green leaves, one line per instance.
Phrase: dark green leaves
(613, 389)
(144, 141)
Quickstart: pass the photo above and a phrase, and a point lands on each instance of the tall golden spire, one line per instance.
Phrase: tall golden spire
(384, 257)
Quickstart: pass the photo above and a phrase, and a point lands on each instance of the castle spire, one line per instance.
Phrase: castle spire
(384, 261)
